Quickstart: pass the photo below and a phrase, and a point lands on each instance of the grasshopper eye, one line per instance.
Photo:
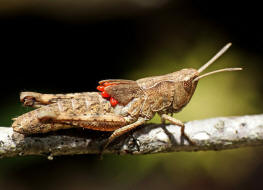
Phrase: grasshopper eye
(187, 85)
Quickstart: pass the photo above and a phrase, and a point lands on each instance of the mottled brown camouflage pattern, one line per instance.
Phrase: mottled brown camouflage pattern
(137, 99)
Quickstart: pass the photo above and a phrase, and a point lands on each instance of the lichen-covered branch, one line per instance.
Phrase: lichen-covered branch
(209, 134)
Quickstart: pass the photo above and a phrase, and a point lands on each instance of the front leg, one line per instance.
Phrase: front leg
(178, 123)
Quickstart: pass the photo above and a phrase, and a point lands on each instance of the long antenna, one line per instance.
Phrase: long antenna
(223, 50)
(217, 71)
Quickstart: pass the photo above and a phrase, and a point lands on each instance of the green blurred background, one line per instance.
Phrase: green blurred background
(66, 46)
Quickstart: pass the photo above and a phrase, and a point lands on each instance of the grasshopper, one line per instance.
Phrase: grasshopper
(122, 105)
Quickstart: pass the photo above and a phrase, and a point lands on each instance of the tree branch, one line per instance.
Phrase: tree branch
(209, 134)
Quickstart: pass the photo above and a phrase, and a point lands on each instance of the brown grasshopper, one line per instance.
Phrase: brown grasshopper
(121, 106)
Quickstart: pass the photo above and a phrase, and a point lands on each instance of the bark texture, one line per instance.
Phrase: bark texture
(209, 134)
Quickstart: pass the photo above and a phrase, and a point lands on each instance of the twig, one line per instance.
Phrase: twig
(209, 134)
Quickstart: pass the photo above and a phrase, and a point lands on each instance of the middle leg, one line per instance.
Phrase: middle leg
(122, 131)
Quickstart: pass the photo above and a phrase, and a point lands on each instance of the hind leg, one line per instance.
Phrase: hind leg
(104, 122)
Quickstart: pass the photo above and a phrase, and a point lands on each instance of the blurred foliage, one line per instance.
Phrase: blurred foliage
(164, 38)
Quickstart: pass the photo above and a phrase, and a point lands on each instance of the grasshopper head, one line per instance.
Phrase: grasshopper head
(185, 88)
(190, 77)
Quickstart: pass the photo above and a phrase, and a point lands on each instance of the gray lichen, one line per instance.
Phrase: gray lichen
(209, 134)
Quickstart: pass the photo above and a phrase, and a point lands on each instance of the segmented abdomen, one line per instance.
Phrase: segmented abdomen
(91, 111)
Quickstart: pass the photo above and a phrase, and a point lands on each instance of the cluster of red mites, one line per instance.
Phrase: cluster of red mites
(104, 94)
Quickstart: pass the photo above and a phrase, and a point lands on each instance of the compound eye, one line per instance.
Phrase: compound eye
(187, 85)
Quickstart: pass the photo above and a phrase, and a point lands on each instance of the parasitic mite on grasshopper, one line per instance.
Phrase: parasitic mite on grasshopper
(120, 106)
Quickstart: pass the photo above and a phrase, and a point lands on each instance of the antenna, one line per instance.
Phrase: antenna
(217, 71)
(213, 59)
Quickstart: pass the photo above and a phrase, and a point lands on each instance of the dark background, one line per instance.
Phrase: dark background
(68, 47)
(41, 51)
